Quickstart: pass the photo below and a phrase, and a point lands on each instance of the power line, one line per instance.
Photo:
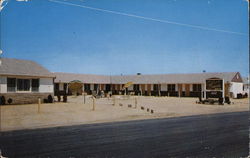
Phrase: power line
(3, 3)
(148, 18)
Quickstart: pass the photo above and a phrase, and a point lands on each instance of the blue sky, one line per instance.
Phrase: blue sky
(66, 38)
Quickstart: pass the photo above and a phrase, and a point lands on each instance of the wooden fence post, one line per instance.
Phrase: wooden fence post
(84, 97)
(93, 103)
(114, 101)
(135, 102)
(39, 104)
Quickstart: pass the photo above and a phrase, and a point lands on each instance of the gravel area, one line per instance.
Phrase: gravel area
(16, 117)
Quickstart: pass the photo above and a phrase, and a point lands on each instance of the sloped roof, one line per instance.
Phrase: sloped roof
(172, 78)
(30, 68)
(144, 79)
(84, 78)
(23, 68)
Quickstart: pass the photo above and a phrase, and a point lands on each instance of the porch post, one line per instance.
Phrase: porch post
(205, 90)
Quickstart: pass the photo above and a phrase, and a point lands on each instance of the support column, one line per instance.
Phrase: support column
(205, 91)
(149, 89)
(159, 89)
(142, 88)
(180, 90)
(67, 88)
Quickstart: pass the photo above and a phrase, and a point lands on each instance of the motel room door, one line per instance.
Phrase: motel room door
(143, 89)
(226, 90)
(149, 89)
(187, 90)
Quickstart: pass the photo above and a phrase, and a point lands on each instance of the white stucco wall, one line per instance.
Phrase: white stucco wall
(91, 87)
(236, 88)
(61, 88)
(164, 87)
(191, 87)
(3, 84)
(246, 89)
(46, 85)
(176, 87)
(183, 87)
(140, 87)
(202, 87)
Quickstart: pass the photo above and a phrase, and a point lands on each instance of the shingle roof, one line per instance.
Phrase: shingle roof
(30, 68)
(23, 68)
(85, 78)
(144, 79)
(172, 78)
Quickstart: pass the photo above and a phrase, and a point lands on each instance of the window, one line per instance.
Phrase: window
(171, 87)
(23, 84)
(35, 85)
(136, 87)
(14, 84)
(86, 87)
(156, 87)
(11, 84)
(214, 84)
(95, 87)
(196, 87)
(61, 86)
(108, 87)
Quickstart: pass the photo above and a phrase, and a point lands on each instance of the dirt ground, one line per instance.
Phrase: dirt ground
(15, 117)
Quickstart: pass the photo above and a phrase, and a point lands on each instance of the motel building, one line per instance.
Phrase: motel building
(179, 85)
(24, 81)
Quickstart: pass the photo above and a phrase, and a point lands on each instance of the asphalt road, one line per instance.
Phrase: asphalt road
(219, 135)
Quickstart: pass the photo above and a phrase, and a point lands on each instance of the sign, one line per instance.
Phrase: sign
(128, 85)
(216, 85)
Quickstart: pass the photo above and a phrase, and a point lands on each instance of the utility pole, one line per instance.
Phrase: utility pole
(1, 52)
(93, 103)
(159, 89)
(3, 3)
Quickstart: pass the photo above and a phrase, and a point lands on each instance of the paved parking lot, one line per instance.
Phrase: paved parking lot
(203, 136)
